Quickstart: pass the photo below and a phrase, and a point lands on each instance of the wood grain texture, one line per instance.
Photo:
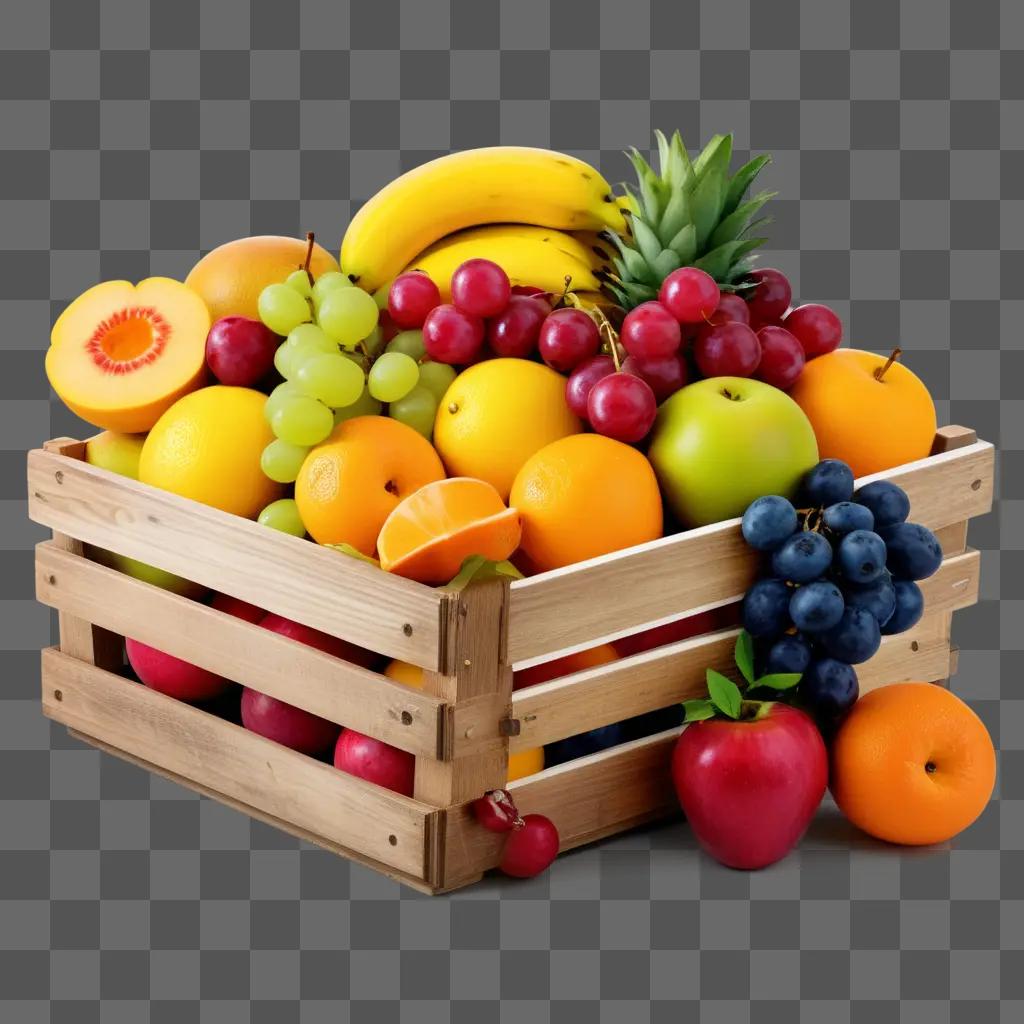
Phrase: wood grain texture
(256, 657)
(286, 575)
(228, 759)
(575, 607)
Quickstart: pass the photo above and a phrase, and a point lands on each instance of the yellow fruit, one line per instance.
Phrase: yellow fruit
(207, 447)
(404, 672)
(118, 453)
(526, 762)
(496, 414)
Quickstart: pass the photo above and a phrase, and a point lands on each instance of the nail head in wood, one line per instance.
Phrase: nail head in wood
(58, 695)
(406, 718)
(51, 579)
(914, 645)
(393, 840)
(976, 485)
(407, 629)
(59, 476)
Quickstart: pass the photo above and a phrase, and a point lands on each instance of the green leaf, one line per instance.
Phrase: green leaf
(685, 244)
(698, 710)
(718, 262)
(745, 656)
(646, 240)
(724, 694)
(651, 197)
(705, 205)
(347, 549)
(717, 153)
(664, 153)
(666, 261)
(675, 217)
(737, 222)
(637, 268)
(681, 172)
(779, 680)
(477, 569)
(741, 181)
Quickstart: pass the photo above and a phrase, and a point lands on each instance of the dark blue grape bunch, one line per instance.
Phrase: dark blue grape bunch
(843, 571)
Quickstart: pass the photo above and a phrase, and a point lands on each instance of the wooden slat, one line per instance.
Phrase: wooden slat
(239, 764)
(266, 661)
(289, 576)
(575, 607)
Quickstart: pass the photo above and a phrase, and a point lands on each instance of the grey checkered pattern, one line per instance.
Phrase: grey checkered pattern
(137, 135)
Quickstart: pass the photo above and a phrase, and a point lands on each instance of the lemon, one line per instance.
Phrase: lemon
(498, 413)
(207, 447)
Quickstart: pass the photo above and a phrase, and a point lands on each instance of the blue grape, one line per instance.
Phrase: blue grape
(845, 516)
(828, 689)
(829, 482)
(790, 653)
(914, 551)
(816, 606)
(861, 556)
(909, 607)
(878, 598)
(804, 557)
(651, 722)
(854, 638)
(765, 609)
(888, 503)
(768, 522)
(583, 744)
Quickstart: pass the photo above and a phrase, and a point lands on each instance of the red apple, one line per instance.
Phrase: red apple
(172, 676)
(286, 724)
(240, 350)
(749, 788)
(239, 609)
(321, 641)
(375, 761)
(673, 632)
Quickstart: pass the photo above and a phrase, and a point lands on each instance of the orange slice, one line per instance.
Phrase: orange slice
(429, 534)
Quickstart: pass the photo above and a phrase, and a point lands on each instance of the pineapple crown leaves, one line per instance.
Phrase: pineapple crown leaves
(726, 698)
(687, 213)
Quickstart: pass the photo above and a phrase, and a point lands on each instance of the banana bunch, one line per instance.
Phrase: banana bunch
(511, 186)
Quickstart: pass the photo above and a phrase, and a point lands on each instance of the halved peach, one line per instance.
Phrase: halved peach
(121, 354)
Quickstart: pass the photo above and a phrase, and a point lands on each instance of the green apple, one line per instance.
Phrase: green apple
(722, 442)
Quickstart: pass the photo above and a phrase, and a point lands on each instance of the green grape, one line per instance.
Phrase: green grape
(364, 405)
(312, 335)
(299, 280)
(348, 315)
(409, 342)
(374, 341)
(305, 342)
(278, 394)
(393, 376)
(302, 421)
(283, 515)
(282, 461)
(327, 283)
(282, 308)
(436, 377)
(335, 380)
(416, 410)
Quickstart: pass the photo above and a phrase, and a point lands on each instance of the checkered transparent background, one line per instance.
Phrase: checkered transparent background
(136, 136)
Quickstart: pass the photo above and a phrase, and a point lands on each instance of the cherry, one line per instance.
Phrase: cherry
(531, 848)
(816, 327)
(582, 380)
(513, 332)
(480, 287)
(770, 299)
(689, 294)
(731, 307)
(411, 297)
(240, 350)
(727, 350)
(496, 811)
(451, 335)
(650, 332)
(567, 337)
(665, 376)
(782, 358)
(622, 406)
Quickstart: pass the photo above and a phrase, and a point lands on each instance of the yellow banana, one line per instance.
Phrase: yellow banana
(529, 255)
(600, 251)
(479, 186)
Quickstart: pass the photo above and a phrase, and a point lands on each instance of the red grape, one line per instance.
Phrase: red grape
(622, 406)
(782, 358)
(689, 294)
(240, 350)
(480, 287)
(583, 378)
(651, 332)
(527, 289)
(513, 332)
(770, 299)
(496, 811)
(567, 337)
(665, 376)
(816, 327)
(531, 848)
(452, 336)
(731, 307)
(727, 350)
(411, 297)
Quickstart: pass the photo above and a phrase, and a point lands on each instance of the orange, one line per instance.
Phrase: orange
(429, 534)
(350, 483)
(526, 762)
(870, 424)
(404, 672)
(496, 414)
(585, 496)
(912, 764)
(557, 667)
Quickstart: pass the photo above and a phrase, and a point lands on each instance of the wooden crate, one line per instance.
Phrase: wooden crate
(466, 720)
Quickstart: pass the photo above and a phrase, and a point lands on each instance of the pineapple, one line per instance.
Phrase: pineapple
(689, 214)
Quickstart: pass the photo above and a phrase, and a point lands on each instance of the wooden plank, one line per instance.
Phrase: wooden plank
(292, 577)
(321, 684)
(667, 675)
(580, 605)
(230, 760)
